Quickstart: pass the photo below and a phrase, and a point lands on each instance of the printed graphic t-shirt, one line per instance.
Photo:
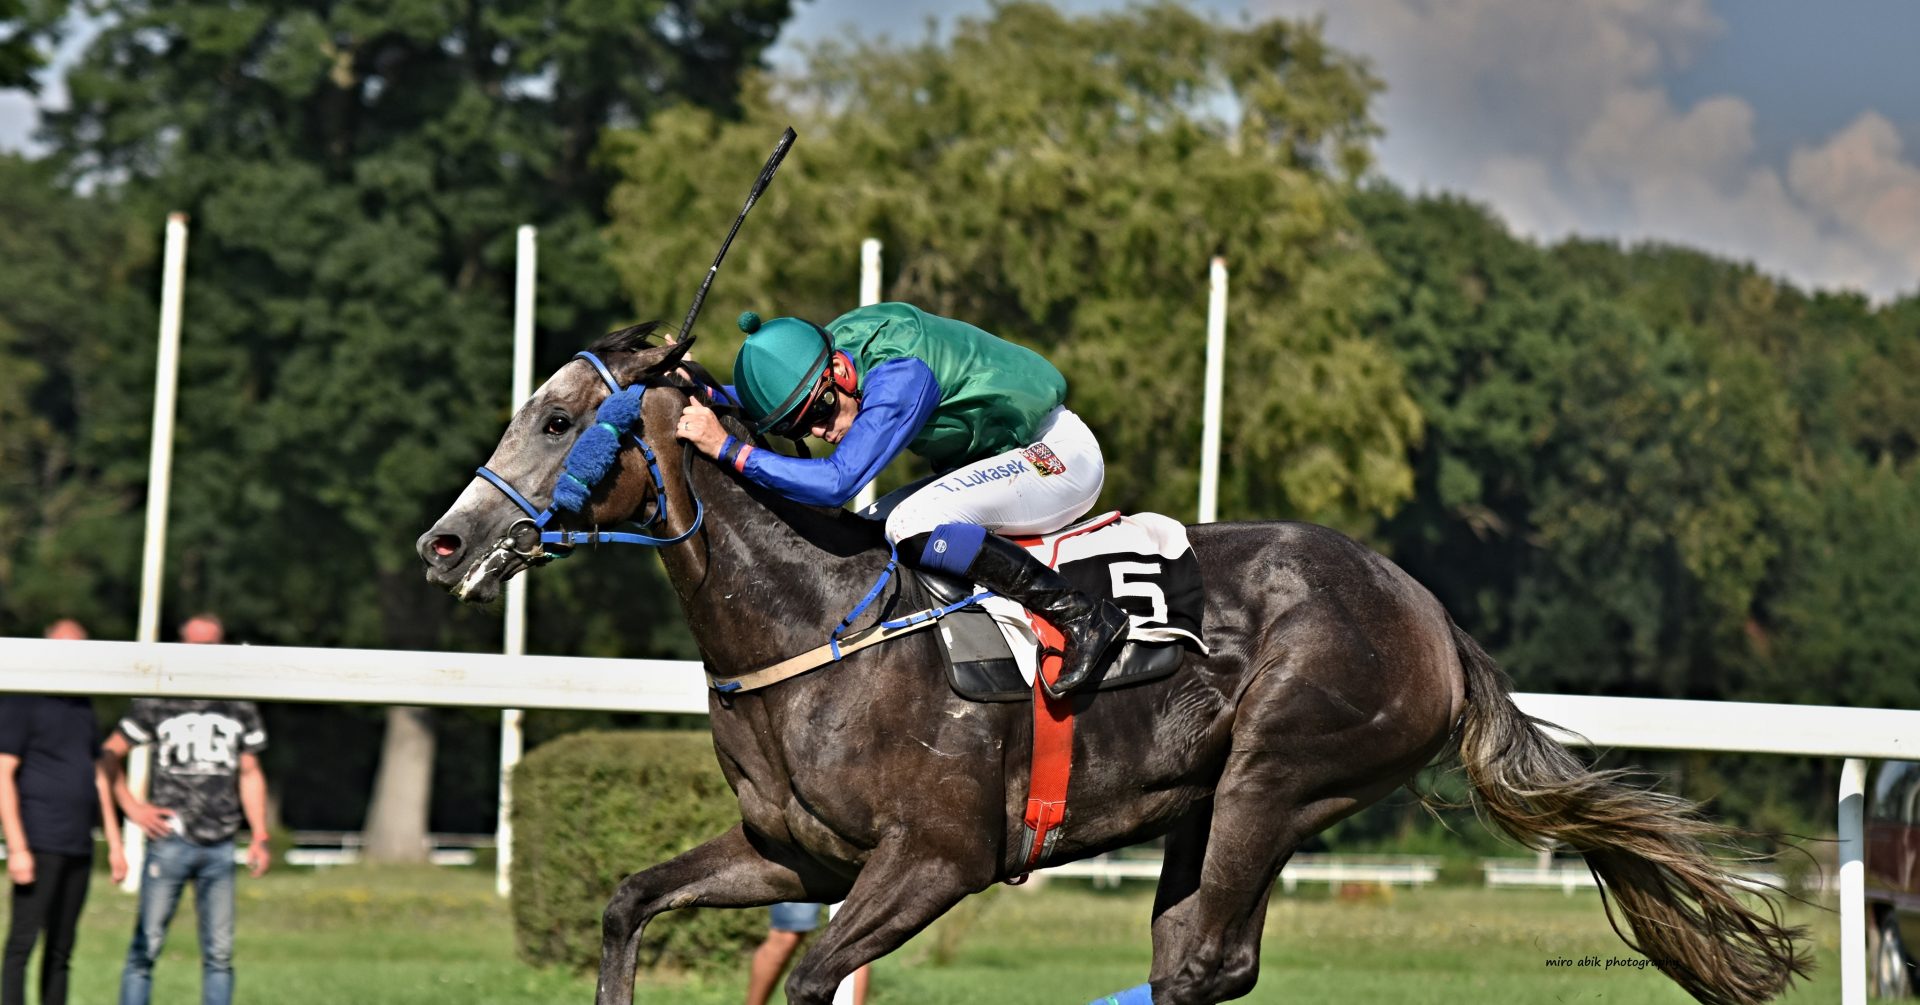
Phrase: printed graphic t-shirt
(197, 745)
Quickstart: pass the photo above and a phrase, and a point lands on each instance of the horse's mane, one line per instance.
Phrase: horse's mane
(830, 527)
(632, 338)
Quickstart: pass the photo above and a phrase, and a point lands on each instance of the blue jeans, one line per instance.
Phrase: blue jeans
(171, 863)
(794, 917)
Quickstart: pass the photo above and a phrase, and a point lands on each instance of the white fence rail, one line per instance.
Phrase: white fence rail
(388, 677)
(356, 676)
(398, 677)
(1333, 870)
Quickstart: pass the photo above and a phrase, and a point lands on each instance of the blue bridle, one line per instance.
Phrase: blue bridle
(587, 462)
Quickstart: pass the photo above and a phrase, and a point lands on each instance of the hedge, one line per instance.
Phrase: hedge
(590, 808)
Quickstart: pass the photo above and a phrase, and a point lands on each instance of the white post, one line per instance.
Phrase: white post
(1216, 376)
(869, 295)
(516, 628)
(1853, 883)
(153, 559)
(160, 456)
(843, 995)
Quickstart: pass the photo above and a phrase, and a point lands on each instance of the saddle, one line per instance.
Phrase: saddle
(1141, 562)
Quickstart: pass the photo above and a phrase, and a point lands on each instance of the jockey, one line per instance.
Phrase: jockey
(988, 414)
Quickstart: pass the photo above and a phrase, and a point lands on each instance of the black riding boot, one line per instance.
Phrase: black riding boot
(1092, 627)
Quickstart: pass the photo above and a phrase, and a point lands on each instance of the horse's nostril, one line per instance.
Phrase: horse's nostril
(438, 550)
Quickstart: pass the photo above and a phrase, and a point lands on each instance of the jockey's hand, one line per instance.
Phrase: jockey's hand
(700, 427)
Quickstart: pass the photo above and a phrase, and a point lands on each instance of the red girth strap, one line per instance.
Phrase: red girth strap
(1052, 762)
(1052, 748)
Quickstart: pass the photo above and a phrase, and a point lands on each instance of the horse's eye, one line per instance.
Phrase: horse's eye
(558, 424)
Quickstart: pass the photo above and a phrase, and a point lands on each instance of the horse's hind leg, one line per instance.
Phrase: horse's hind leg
(731, 870)
(1294, 771)
(1212, 902)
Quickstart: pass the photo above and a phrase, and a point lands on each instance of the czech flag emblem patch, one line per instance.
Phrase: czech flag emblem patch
(1043, 459)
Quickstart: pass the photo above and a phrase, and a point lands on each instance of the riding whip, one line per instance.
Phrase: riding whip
(759, 186)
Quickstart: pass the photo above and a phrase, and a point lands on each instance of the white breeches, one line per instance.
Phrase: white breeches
(1008, 493)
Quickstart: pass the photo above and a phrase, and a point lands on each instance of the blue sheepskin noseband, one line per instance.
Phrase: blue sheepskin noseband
(593, 453)
(589, 461)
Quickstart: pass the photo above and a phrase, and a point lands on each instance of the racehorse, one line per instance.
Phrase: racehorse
(1333, 678)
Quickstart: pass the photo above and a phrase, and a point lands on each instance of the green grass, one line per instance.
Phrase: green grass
(421, 936)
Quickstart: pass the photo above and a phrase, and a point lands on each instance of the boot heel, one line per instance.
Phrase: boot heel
(1090, 643)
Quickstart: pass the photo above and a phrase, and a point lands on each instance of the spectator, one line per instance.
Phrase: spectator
(206, 779)
(790, 923)
(50, 791)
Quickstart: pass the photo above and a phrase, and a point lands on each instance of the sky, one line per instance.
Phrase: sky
(1779, 132)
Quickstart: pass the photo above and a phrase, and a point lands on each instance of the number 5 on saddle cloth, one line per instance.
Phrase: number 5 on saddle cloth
(1141, 562)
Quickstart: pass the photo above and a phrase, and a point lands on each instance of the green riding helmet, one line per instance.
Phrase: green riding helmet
(780, 361)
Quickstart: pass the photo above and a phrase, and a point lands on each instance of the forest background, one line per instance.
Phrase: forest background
(1629, 470)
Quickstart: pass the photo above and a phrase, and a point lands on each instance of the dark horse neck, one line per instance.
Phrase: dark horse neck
(764, 578)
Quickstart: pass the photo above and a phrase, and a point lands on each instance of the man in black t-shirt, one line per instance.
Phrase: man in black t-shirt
(206, 781)
(51, 791)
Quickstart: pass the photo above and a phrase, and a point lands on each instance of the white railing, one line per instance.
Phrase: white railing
(1567, 877)
(390, 677)
(1333, 870)
(355, 676)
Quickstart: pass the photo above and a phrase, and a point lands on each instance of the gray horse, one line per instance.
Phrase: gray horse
(1334, 678)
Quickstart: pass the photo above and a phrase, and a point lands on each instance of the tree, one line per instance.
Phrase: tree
(354, 174)
(24, 25)
(1601, 495)
(1062, 181)
(76, 359)
(1846, 631)
(403, 791)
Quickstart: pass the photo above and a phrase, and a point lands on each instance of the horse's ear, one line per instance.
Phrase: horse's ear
(658, 360)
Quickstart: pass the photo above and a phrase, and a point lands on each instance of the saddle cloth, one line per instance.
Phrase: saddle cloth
(1142, 562)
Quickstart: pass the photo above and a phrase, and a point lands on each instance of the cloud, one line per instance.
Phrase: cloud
(1478, 78)
(1558, 115)
(1861, 184)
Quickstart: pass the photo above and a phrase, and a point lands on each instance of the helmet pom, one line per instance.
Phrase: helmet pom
(749, 322)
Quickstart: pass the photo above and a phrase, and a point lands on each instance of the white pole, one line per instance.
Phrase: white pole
(153, 559)
(511, 743)
(869, 295)
(1216, 376)
(1853, 883)
(160, 456)
(842, 995)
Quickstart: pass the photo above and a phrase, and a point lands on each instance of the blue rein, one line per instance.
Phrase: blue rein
(590, 460)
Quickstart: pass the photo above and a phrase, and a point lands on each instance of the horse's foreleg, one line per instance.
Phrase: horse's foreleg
(732, 870)
(1173, 899)
(902, 888)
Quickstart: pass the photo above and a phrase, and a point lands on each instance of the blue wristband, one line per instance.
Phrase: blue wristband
(728, 449)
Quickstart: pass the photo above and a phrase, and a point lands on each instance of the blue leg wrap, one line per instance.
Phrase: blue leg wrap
(1141, 995)
(951, 548)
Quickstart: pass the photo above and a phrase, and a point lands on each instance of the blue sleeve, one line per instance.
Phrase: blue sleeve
(899, 398)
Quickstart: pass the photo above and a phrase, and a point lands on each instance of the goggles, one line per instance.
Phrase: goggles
(818, 410)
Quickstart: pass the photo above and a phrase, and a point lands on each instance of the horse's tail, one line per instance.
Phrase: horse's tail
(1651, 851)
